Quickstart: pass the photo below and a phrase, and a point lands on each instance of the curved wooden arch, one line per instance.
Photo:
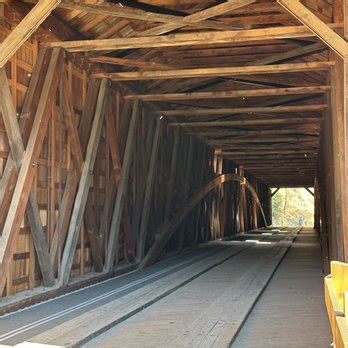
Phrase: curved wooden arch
(165, 231)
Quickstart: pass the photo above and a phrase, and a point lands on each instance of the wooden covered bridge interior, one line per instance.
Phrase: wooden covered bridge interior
(133, 131)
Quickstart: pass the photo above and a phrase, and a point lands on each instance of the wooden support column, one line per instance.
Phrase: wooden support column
(73, 179)
(117, 167)
(216, 204)
(316, 207)
(148, 191)
(121, 192)
(254, 212)
(338, 205)
(17, 151)
(172, 177)
(28, 166)
(270, 210)
(345, 111)
(242, 211)
(185, 190)
(236, 205)
(199, 180)
(75, 145)
(82, 193)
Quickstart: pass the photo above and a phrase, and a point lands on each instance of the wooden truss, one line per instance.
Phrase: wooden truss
(233, 130)
(166, 230)
(28, 161)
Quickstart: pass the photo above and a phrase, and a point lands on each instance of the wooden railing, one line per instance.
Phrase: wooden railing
(336, 299)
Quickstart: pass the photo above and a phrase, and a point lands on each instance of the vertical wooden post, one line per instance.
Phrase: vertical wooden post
(185, 190)
(316, 207)
(254, 210)
(82, 193)
(338, 232)
(270, 210)
(77, 151)
(116, 163)
(242, 212)
(345, 167)
(172, 177)
(122, 190)
(148, 191)
(73, 177)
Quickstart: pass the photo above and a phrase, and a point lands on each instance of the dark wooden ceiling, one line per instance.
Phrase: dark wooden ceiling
(279, 146)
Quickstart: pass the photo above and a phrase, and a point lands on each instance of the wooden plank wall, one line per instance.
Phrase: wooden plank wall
(215, 216)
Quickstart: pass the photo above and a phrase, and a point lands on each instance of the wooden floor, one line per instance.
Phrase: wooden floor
(196, 301)
(291, 311)
(210, 310)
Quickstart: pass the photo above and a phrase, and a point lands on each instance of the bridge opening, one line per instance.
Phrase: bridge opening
(293, 207)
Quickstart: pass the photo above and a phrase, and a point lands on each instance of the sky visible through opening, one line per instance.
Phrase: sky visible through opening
(293, 207)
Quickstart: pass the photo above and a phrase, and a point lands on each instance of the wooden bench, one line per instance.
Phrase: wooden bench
(336, 299)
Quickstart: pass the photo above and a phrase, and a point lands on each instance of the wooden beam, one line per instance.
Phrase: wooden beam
(191, 39)
(318, 27)
(249, 110)
(148, 191)
(213, 11)
(271, 121)
(172, 176)
(345, 135)
(294, 53)
(250, 133)
(117, 168)
(120, 11)
(28, 165)
(255, 147)
(71, 128)
(268, 152)
(9, 174)
(208, 72)
(82, 193)
(17, 149)
(232, 140)
(121, 191)
(242, 203)
(309, 191)
(263, 92)
(166, 230)
(72, 179)
(25, 28)
(185, 189)
(274, 192)
(77, 151)
(129, 62)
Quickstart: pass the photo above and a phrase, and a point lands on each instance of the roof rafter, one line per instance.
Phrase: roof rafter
(224, 71)
(190, 39)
